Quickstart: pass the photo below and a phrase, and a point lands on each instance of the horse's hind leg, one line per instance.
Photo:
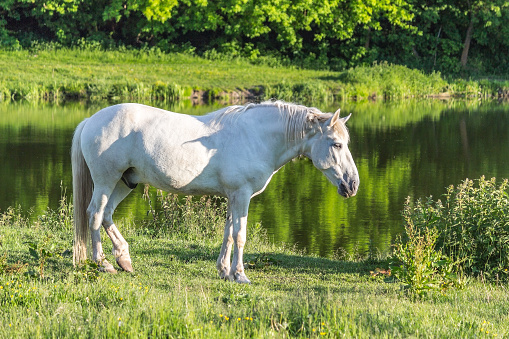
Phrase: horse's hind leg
(120, 246)
(95, 213)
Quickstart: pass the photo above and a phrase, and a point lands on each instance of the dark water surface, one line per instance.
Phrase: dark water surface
(411, 148)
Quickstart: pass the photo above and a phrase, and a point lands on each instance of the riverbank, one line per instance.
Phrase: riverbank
(175, 291)
(64, 74)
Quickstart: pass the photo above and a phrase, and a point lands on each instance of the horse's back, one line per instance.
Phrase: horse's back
(165, 149)
(131, 122)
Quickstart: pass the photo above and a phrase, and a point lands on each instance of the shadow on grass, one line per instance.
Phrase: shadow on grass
(191, 252)
(186, 252)
(309, 264)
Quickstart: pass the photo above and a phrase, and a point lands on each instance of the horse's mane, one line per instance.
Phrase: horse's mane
(296, 117)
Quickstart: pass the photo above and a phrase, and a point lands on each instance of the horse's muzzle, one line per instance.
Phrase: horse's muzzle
(348, 190)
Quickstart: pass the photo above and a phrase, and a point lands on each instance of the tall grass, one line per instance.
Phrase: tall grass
(48, 73)
(189, 217)
(391, 82)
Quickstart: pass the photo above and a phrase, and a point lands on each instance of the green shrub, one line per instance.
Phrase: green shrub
(472, 225)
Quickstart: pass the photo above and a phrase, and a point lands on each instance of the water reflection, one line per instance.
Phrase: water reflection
(411, 148)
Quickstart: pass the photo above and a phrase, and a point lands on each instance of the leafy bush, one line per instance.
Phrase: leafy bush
(471, 225)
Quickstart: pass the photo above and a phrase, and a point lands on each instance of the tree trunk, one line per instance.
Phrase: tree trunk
(466, 44)
(368, 39)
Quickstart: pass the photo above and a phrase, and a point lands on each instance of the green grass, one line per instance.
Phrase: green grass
(175, 291)
(149, 75)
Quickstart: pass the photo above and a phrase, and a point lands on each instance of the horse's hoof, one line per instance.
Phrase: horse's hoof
(224, 274)
(105, 266)
(242, 279)
(125, 264)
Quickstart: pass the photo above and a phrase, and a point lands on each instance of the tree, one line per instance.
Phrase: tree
(480, 14)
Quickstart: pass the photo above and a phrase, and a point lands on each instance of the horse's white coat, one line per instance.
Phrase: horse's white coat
(232, 152)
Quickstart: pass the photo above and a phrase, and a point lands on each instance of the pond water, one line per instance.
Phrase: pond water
(411, 148)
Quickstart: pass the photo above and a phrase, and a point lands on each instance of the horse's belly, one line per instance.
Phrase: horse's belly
(194, 187)
(192, 172)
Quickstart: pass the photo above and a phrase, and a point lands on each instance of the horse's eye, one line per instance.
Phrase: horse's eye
(338, 145)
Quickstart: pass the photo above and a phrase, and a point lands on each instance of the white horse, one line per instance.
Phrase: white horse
(232, 152)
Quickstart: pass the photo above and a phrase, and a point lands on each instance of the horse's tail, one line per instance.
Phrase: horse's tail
(82, 187)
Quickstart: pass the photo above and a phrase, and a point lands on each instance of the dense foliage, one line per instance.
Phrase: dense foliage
(443, 35)
(471, 226)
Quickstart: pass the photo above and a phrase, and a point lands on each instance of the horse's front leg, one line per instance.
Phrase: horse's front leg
(239, 207)
(223, 261)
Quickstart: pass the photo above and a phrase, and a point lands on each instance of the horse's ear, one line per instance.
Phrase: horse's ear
(345, 119)
(334, 118)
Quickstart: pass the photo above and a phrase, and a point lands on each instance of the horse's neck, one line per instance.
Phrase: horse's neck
(266, 126)
(284, 144)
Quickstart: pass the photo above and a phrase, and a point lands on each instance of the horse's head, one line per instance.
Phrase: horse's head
(328, 149)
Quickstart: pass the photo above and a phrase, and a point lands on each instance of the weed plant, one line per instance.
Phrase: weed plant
(470, 224)
(420, 266)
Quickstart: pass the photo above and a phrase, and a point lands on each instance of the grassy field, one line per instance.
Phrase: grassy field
(175, 291)
(148, 75)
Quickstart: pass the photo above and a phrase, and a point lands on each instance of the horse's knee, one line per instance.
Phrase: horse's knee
(228, 241)
(239, 238)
